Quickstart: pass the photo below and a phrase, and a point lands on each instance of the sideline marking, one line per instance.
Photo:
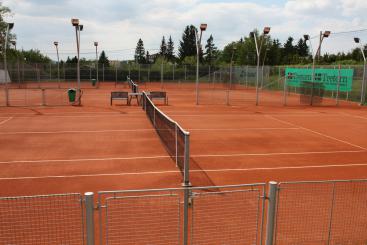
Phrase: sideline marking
(315, 132)
(6, 120)
(191, 171)
(166, 156)
(136, 130)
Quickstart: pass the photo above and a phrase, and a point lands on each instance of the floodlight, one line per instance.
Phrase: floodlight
(96, 44)
(306, 37)
(252, 33)
(13, 42)
(80, 27)
(326, 33)
(356, 39)
(10, 25)
(203, 27)
(266, 30)
(56, 43)
(75, 22)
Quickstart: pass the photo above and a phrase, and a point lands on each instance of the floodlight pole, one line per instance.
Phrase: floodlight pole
(78, 28)
(96, 45)
(198, 46)
(363, 89)
(58, 62)
(9, 26)
(258, 52)
(322, 36)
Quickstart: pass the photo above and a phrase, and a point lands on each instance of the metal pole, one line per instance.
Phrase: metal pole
(162, 74)
(78, 64)
(257, 71)
(363, 90)
(285, 90)
(103, 72)
(270, 224)
(186, 186)
(89, 216)
(6, 67)
(338, 87)
(197, 66)
(97, 67)
(58, 66)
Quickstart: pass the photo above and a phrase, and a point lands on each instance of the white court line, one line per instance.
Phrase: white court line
(356, 116)
(315, 132)
(166, 156)
(135, 130)
(191, 171)
(6, 120)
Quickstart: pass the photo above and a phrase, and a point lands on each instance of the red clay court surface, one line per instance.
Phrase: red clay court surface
(101, 147)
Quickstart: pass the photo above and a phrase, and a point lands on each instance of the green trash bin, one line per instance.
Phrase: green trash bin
(94, 81)
(72, 94)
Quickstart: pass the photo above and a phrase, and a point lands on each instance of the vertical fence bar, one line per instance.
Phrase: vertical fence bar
(185, 72)
(363, 90)
(103, 72)
(148, 72)
(89, 216)
(270, 224)
(139, 73)
(173, 72)
(331, 215)
(162, 75)
(115, 75)
(90, 73)
(285, 90)
(18, 73)
(338, 87)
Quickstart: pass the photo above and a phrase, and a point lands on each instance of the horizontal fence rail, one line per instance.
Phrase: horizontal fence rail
(308, 212)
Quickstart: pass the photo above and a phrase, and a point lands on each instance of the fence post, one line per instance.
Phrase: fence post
(285, 90)
(89, 216)
(103, 72)
(162, 75)
(270, 224)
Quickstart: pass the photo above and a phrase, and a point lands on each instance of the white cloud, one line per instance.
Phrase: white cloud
(118, 25)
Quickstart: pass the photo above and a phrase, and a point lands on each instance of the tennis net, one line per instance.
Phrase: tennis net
(174, 138)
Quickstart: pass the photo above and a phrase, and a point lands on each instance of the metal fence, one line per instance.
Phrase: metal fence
(225, 84)
(315, 212)
(47, 219)
(331, 212)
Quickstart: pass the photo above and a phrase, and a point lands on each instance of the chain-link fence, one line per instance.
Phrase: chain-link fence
(316, 212)
(225, 84)
(332, 212)
(47, 219)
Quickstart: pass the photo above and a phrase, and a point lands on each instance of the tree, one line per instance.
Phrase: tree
(211, 52)
(288, 51)
(140, 52)
(187, 45)
(302, 48)
(170, 50)
(103, 59)
(163, 48)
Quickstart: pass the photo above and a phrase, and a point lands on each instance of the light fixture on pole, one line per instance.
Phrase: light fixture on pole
(58, 62)
(9, 26)
(96, 45)
(78, 29)
(198, 48)
(266, 31)
(363, 89)
(307, 38)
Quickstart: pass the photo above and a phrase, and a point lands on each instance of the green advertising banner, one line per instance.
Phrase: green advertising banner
(328, 79)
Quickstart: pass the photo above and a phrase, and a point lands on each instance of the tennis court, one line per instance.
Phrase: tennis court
(99, 147)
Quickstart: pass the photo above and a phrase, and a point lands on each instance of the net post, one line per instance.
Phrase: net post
(186, 186)
(89, 216)
(43, 97)
(270, 224)
(187, 160)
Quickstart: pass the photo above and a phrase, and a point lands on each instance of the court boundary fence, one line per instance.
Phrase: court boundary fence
(304, 212)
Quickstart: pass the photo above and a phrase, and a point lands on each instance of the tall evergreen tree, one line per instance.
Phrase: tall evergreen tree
(187, 45)
(163, 48)
(140, 52)
(103, 59)
(210, 50)
(302, 48)
(170, 50)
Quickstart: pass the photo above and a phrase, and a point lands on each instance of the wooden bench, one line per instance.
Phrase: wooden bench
(159, 95)
(120, 96)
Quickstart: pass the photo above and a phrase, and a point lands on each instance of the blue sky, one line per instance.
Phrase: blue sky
(117, 25)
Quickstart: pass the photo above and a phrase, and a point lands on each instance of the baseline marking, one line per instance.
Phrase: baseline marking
(136, 130)
(191, 171)
(315, 132)
(166, 156)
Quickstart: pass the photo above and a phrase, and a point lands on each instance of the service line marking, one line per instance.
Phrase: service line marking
(166, 156)
(318, 133)
(191, 171)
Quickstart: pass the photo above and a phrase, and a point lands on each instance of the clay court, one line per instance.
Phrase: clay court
(94, 147)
